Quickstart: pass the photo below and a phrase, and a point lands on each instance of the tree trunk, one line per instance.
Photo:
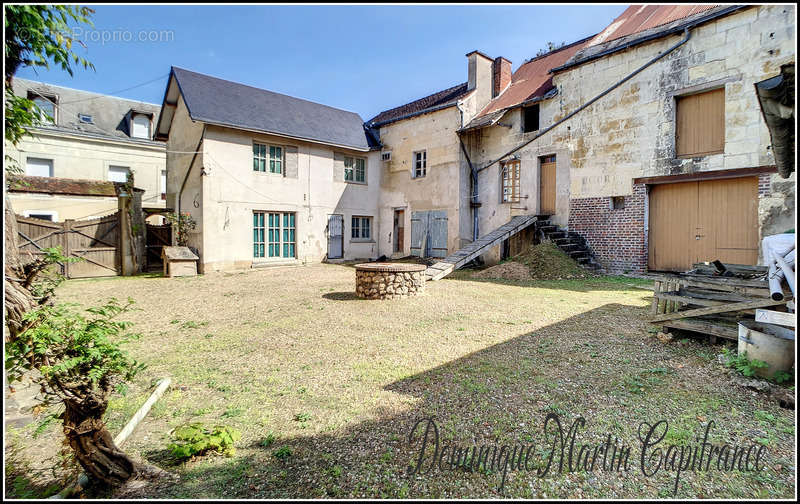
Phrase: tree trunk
(94, 446)
(19, 299)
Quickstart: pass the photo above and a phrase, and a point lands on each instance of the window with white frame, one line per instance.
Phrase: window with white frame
(39, 167)
(420, 164)
(360, 228)
(140, 126)
(355, 169)
(274, 234)
(118, 173)
(46, 106)
(163, 184)
(267, 156)
(511, 181)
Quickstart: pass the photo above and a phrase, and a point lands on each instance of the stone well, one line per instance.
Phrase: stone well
(389, 280)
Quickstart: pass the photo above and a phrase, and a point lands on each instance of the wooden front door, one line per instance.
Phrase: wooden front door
(399, 223)
(701, 221)
(547, 185)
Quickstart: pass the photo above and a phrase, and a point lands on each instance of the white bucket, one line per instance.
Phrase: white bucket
(770, 343)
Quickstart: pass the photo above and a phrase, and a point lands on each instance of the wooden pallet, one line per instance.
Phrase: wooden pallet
(703, 302)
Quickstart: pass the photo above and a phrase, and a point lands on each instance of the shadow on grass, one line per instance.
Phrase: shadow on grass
(499, 394)
(342, 296)
(588, 284)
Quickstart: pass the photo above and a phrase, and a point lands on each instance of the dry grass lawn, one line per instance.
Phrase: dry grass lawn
(325, 386)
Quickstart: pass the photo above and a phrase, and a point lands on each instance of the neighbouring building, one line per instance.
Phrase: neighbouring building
(268, 178)
(81, 138)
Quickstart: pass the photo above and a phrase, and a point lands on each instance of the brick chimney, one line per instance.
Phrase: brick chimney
(501, 75)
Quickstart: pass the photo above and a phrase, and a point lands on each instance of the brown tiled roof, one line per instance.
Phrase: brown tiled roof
(57, 185)
(638, 18)
(531, 80)
(642, 23)
(441, 99)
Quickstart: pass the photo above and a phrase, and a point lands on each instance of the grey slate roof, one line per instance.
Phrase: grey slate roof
(226, 103)
(436, 101)
(109, 113)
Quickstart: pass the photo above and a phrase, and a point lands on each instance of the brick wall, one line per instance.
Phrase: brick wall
(616, 237)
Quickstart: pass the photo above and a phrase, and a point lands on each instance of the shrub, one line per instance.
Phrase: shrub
(195, 439)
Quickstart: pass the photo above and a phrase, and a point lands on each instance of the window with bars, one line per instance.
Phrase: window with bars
(360, 228)
(274, 234)
(267, 156)
(511, 181)
(355, 169)
(420, 164)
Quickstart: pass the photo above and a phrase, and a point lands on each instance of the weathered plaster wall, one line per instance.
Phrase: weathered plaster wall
(79, 157)
(64, 206)
(182, 144)
(443, 186)
(232, 191)
(631, 132)
(487, 144)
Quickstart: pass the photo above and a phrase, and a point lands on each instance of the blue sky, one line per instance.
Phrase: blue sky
(360, 58)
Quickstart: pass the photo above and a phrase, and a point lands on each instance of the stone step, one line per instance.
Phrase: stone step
(556, 234)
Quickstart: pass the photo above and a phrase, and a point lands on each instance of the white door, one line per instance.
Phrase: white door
(335, 236)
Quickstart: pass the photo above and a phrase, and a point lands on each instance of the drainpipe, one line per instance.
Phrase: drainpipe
(473, 180)
(686, 36)
(189, 170)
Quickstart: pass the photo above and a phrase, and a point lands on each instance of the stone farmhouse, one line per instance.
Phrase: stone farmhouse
(646, 141)
(85, 144)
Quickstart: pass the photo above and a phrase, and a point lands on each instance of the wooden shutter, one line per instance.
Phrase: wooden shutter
(290, 161)
(700, 124)
(338, 167)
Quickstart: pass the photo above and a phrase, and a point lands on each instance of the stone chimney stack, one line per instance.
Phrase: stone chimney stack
(501, 75)
(479, 74)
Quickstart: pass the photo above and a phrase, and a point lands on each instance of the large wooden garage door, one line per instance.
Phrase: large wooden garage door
(699, 221)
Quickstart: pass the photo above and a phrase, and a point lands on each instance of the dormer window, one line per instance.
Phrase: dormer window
(46, 105)
(140, 126)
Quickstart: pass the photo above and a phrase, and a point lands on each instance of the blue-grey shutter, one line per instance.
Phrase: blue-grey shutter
(290, 161)
(419, 228)
(438, 233)
(338, 167)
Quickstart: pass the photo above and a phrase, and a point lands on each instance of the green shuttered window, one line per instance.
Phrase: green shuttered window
(264, 155)
(274, 234)
(355, 169)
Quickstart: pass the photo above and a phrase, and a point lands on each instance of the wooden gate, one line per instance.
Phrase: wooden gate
(96, 241)
(692, 222)
(158, 237)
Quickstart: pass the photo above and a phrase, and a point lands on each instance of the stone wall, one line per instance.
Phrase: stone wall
(630, 133)
(389, 284)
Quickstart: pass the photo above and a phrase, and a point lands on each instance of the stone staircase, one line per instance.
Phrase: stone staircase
(458, 259)
(571, 243)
